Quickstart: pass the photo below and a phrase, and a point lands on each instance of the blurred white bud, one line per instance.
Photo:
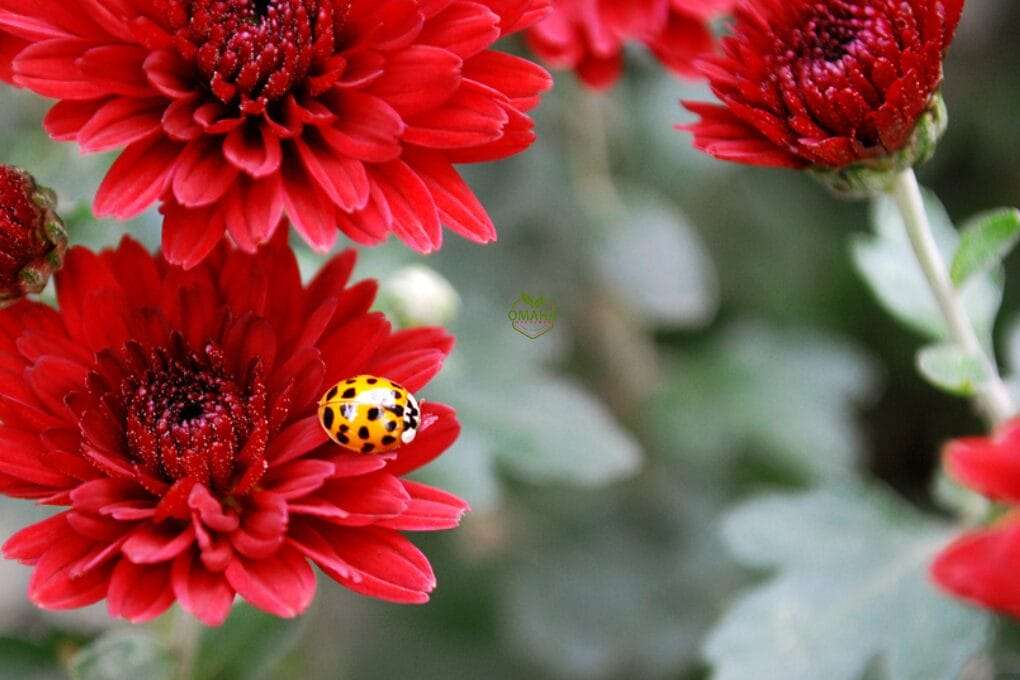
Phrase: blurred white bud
(420, 296)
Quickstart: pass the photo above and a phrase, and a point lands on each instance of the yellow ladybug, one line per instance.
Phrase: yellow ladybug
(369, 414)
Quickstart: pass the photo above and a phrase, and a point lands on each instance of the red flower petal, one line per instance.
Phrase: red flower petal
(31, 543)
(255, 149)
(415, 216)
(464, 28)
(430, 509)
(203, 593)
(263, 526)
(309, 208)
(139, 593)
(138, 177)
(471, 117)
(301, 437)
(458, 207)
(418, 78)
(980, 567)
(438, 431)
(202, 175)
(375, 562)
(283, 584)
(153, 544)
(989, 466)
(299, 478)
(189, 235)
(365, 499)
(52, 585)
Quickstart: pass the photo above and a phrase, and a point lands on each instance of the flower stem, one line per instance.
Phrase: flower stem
(185, 632)
(993, 398)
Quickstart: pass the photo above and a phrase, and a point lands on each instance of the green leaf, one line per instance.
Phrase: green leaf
(851, 586)
(985, 240)
(624, 594)
(949, 368)
(127, 654)
(791, 398)
(969, 505)
(520, 416)
(658, 266)
(249, 646)
(36, 659)
(533, 426)
(886, 262)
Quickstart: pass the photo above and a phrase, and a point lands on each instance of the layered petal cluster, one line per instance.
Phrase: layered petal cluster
(981, 566)
(343, 115)
(589, 36)
(172, 414)
(823, 83)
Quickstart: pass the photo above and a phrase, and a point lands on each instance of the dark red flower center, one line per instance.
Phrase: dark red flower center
(254, 52)
(826, 33)
(188, 418)
(21, 240)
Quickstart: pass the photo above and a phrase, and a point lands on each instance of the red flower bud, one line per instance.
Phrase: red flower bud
(32, 237)
(845, 87)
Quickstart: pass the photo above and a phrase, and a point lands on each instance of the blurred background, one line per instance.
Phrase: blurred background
(713, 343)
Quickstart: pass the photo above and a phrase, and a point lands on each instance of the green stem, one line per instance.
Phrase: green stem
(185, 632)
(993, 398)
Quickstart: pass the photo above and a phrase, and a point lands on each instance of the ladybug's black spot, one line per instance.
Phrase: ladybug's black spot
(367, 448)
(396, 394)
(387, 440)
(363, 432)
(397, 410)
(371, 381)
(328, 418)
(398, 386)
(351, 381)
(344, 428)
(349, 393)
(331, 395)
(373, 413)
(391, 425)
(342, 438)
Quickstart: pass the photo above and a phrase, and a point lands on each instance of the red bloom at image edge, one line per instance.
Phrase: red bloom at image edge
(980, 566)
(173, 413)
(589, 36)
(341, 114)
(826, 84)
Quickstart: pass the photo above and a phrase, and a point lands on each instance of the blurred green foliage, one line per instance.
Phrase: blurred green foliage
(713, 342)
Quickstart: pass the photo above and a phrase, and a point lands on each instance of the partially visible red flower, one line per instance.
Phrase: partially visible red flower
(32, 236)
(232, 113)
(589, 36)
(823, 83)
(173, 413)
(981, 566)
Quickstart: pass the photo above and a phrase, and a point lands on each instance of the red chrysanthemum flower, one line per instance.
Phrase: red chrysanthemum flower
(981, 566)
(348, 113)
(32, 236)
(825, 83)
(589, 36)
(174, 413)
